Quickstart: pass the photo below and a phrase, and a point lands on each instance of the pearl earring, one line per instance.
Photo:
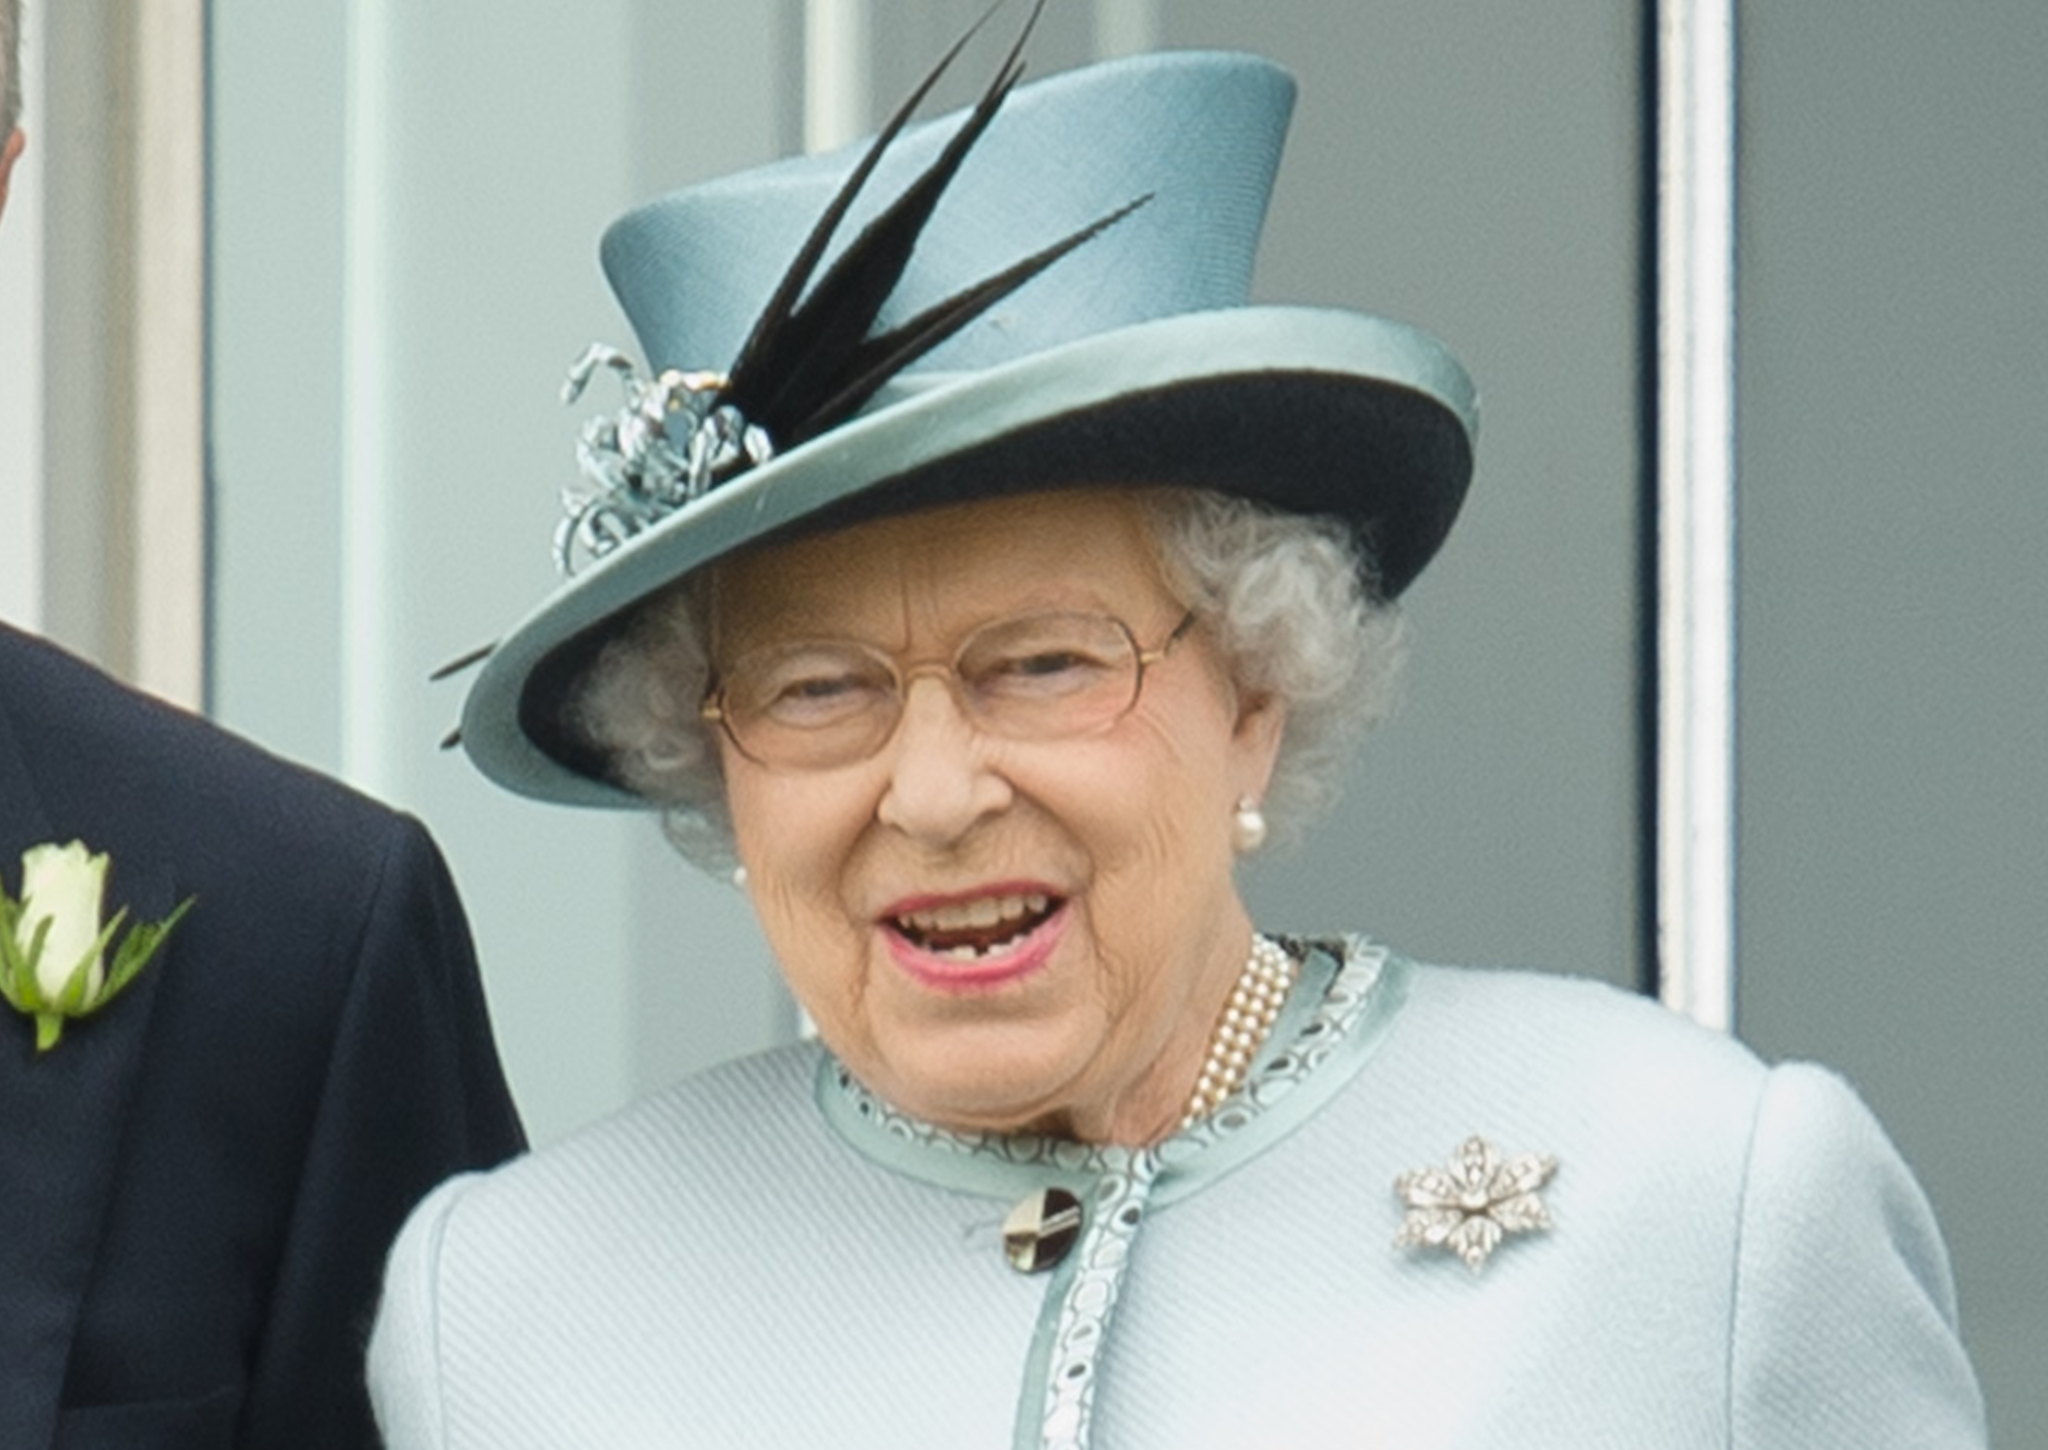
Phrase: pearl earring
(1247, 827)
(739, 877)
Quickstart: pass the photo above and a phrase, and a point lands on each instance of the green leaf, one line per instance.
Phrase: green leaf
(139, 946)
(73, 999)
(31, 989)
(14, 968)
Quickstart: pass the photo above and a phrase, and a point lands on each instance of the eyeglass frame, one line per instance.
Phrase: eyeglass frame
(712, 708)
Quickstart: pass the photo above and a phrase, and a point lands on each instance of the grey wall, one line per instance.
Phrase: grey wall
(1894, 693)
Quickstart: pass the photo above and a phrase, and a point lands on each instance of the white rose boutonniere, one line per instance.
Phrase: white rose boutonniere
(53, 944)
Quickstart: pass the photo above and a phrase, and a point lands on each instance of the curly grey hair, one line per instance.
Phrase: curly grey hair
(1286, 597)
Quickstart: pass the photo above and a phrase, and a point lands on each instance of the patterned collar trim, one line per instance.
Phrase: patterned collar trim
(1350, 991)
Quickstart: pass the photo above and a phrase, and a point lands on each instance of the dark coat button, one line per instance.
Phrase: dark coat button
(1041, 1230)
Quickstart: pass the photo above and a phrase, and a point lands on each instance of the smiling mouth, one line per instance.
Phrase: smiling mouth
(973, 931)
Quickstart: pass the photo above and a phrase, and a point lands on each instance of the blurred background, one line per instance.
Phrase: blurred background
(287, 290)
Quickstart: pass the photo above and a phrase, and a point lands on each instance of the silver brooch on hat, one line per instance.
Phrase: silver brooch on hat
(1475, 1202)
(670, 442)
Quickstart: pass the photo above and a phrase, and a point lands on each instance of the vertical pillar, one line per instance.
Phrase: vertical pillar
(835, 72)
(1126, 27)
(1696, 508)
(123, 348)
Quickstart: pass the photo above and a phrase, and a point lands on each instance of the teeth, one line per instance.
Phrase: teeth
(976, 915)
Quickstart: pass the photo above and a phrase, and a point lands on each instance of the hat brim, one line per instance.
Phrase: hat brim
(1312, 410)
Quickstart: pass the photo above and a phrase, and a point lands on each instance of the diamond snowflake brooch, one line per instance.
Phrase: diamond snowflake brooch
(1473, 1204)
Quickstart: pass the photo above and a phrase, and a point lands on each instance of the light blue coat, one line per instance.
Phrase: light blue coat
(765, 1256)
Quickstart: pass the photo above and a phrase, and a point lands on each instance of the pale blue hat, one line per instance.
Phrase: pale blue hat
(1132, 357)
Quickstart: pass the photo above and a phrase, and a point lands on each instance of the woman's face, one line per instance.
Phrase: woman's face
(1094, 873)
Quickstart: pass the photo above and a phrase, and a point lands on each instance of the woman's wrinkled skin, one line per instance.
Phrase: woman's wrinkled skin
(1094, 1020)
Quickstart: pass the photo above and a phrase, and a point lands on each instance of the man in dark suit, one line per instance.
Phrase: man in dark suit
(198, 1183)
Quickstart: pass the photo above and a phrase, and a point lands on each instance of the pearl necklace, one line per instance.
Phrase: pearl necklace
(1247, 1018)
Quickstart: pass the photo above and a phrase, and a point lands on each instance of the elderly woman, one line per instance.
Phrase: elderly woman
(983, 611)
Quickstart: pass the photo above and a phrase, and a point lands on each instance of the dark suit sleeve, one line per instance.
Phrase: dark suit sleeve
(412, 1093)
